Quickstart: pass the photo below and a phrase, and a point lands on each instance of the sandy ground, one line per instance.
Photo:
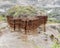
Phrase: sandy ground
(9, 39)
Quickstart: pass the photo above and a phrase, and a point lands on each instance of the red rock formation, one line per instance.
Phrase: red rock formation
(26, 24)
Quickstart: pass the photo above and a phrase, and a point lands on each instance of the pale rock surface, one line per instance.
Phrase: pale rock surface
(10, 39)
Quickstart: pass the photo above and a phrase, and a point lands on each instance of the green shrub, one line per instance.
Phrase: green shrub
(54, 20)
(22, 11)
(2, 18)
(55, 45)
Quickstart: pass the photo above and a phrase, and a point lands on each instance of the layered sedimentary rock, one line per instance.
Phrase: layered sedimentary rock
(26, 23)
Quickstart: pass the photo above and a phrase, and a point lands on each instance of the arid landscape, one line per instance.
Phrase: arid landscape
(29, 23)
(11, 39)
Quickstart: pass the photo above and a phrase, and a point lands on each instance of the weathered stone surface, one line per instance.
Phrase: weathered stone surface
(10, 39)
(27, 23)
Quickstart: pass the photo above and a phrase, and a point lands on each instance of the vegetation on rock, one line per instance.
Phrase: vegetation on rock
(22, 11)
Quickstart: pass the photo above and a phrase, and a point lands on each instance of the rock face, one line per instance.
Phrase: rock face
(10, 39)
(27, 23)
